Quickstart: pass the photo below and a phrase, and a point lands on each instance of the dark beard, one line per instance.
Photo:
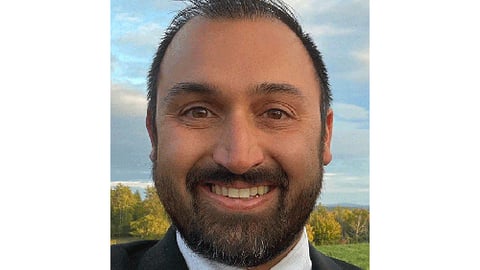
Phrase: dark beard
(238, 239)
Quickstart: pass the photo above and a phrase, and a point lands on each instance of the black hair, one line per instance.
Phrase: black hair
(239, 9)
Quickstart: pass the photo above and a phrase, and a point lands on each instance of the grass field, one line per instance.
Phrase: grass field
(357, 254)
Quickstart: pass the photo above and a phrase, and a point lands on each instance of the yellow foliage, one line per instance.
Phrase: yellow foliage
(326, 229)
(310, 232)
(150, 226)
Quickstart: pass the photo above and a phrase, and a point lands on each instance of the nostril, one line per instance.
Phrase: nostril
(237, 164)
(238, 148)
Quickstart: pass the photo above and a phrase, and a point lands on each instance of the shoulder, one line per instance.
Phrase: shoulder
(321, 261)
(148, 254)
(127, 256)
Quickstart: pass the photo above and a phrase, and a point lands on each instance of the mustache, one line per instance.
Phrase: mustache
(275, 175)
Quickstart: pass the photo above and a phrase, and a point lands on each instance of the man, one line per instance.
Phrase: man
(240, 123)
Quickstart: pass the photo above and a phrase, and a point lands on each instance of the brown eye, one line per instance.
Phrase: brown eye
(275, 114)
(198, 112)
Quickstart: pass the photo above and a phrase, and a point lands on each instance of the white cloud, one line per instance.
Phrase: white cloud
(320, 30)
(363, 56)
(345, 188)
(163, 5)
(350, 139)
(144, 35)
(307, 7)
(349, 111)
(313, 16)
(127, 17)
(361, 72)
(127, 102)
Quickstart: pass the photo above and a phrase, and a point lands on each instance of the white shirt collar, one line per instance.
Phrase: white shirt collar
(297, 258)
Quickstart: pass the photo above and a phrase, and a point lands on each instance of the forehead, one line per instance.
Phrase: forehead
(236, 54)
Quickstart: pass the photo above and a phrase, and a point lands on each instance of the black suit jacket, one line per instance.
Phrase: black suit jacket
(165, 254)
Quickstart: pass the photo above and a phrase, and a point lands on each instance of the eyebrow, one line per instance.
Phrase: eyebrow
(186, 88)
(276, 88)
(263, 89)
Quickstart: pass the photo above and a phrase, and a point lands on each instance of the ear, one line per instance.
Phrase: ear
(327, 154)
(152, 133)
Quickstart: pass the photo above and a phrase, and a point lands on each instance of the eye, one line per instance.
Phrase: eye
(276, 114)
(197, 112)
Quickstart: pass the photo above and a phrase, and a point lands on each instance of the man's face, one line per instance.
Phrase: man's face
(238, 150)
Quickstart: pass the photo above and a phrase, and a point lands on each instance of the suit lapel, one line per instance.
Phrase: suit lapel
(320, 261)
(164, 255)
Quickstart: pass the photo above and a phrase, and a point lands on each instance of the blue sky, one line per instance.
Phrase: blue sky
(340, 29)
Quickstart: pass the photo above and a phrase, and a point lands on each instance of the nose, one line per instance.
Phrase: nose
(238, 147)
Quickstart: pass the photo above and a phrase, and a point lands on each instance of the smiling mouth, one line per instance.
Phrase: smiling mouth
(239, 193)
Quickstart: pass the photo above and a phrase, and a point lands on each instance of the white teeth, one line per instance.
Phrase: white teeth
(244, 193)
(224, 191)
(239, 193)
(218, 190)
(233, 193)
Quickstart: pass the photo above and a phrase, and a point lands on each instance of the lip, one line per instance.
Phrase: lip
(251, 204)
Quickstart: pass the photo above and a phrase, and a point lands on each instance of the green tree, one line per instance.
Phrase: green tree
(355, 224)
(154, 221)
(343, 216)
(326, 230)
(360, 224)
(138, 210)
(122, 208)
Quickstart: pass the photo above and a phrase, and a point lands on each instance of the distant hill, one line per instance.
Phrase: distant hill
(347, 205)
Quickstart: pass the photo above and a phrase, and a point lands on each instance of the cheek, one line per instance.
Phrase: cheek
(178, 150)
(177, 153)
(302, 164)
(299, 157)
